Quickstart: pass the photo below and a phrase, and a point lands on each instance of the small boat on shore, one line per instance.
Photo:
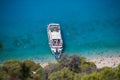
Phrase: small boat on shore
(55, 39)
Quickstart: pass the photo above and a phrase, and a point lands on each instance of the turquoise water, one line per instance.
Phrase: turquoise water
(89, 28)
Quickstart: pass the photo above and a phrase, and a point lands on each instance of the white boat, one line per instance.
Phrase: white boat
(55, 39)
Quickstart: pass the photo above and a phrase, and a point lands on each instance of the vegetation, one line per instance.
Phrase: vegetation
(69, 68)
(16, 70)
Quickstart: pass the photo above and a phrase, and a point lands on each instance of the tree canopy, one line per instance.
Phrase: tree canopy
(18, 70)
(69, 68)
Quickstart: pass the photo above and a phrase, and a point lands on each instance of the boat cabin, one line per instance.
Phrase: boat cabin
(54, 28)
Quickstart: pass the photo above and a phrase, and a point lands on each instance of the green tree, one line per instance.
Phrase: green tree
(32, 65)
(32, 70)
(108, 73)
(78, 76)
(118, 72)
(63, 74)
(88, 67)
(92, 76)
(39, 74)
(74, 63)
(11, 70)
(18, 70)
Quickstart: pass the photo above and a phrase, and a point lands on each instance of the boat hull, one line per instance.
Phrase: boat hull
(55, 40)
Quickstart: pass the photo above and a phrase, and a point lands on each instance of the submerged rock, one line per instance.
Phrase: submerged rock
(17, 43)
(21, 41)
(1, 46)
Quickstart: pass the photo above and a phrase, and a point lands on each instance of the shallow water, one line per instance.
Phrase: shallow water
(89, 28)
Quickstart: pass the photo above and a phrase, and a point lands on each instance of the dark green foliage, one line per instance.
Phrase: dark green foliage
(108, 73)
(92, 76)
(51, 67)
(69, 68)
(74, 63)
(78, 64)
(82, 70)
(118, 72)
(88, 67)
(78, 76)
(16, 70)
(63, 74)
(11, 70)
(31, 65)
(25, 71)
(105, 74)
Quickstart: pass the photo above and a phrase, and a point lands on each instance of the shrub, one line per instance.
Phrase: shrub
(63, 74)
(16, 70)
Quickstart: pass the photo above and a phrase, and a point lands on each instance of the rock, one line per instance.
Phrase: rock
(1, 46)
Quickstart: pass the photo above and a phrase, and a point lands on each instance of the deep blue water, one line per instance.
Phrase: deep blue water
(89, 27)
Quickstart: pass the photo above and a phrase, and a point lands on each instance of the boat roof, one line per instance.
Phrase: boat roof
(53, 24)
(55, 35)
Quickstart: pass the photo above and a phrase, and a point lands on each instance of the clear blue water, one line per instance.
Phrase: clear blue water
(89, 27)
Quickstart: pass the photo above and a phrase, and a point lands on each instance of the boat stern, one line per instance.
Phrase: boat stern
(57, 52)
